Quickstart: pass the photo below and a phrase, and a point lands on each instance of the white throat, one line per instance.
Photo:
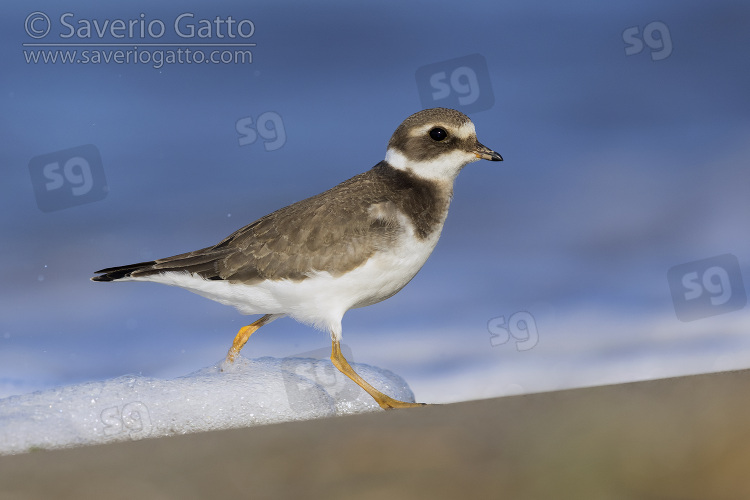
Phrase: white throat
(443, 168)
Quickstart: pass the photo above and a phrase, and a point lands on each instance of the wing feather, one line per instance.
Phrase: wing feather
(334, 231)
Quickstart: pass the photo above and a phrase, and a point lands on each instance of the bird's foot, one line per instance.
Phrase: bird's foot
(229, 360)
(388, 403)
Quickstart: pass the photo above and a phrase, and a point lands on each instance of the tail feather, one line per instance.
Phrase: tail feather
(116, 273)
(202, 262)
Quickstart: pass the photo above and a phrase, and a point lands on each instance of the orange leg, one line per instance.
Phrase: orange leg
(386, 402)
(241, 339)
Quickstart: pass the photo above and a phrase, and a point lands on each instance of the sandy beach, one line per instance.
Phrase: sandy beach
(680, 438)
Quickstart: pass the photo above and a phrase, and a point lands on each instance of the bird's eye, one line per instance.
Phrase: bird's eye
(438, 134)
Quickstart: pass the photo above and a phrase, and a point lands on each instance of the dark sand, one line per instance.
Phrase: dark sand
(682, 438)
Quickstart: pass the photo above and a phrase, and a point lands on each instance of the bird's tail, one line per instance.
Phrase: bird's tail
(204, 263)
(116, 273)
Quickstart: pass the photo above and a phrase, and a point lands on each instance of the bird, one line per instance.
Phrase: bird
(351, 246)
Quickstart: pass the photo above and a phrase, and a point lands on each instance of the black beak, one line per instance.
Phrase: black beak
(486, 153)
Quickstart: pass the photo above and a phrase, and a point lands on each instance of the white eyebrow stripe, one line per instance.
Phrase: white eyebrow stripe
(464, 131)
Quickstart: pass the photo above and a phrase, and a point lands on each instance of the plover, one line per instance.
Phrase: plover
(354, 245)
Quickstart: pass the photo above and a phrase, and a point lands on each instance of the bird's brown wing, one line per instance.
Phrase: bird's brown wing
(334, 231)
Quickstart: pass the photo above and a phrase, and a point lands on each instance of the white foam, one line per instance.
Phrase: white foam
(252, 392)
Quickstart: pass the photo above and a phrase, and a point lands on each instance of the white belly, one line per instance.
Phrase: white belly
(321, 299)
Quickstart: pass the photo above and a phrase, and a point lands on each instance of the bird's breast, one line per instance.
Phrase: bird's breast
(391, 267)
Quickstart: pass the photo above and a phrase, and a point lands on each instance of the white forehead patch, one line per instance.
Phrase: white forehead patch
(466, 130)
